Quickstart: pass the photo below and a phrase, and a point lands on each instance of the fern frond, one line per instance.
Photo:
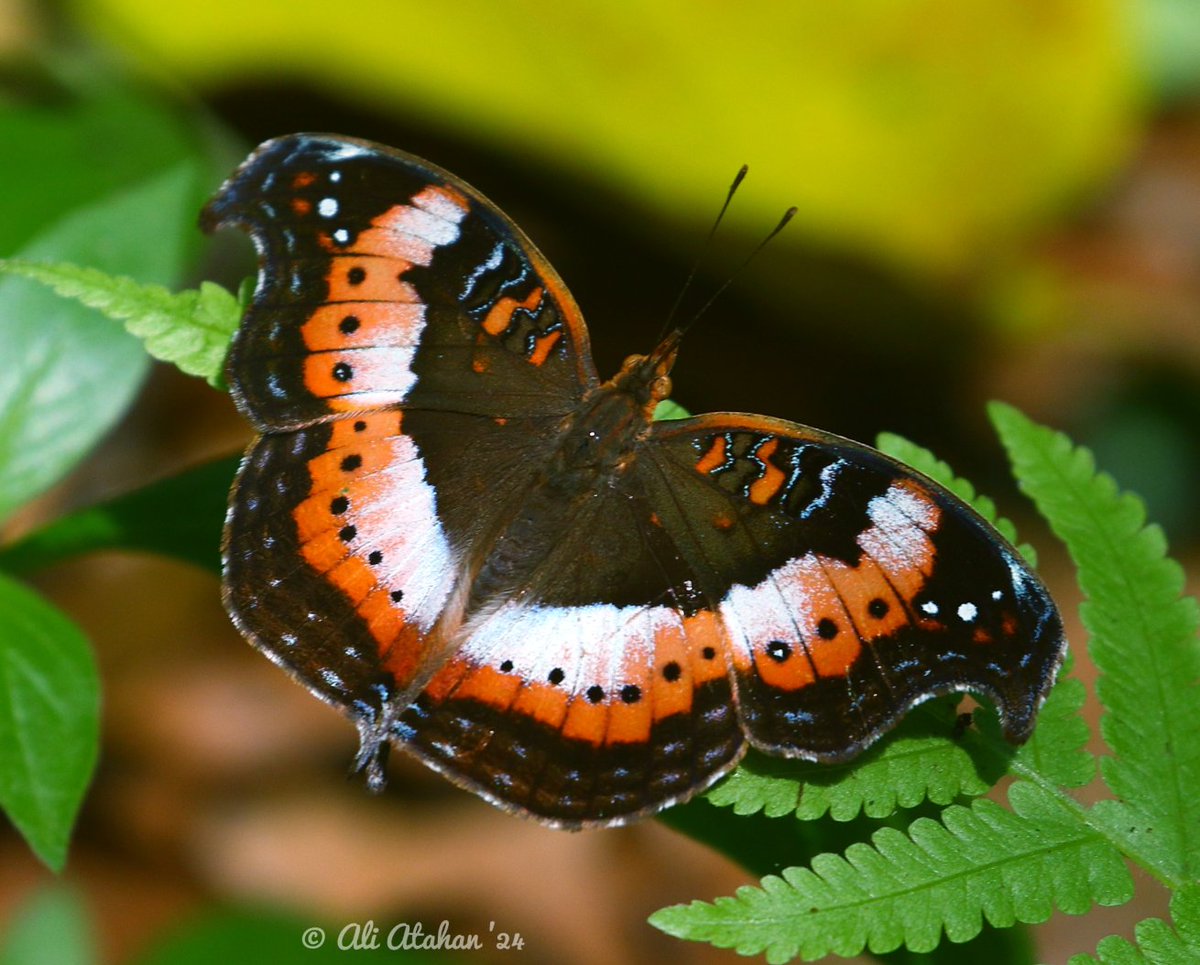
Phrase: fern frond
(1143, 641)
(980, 861)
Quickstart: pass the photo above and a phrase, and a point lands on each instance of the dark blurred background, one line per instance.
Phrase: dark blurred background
(996, 199)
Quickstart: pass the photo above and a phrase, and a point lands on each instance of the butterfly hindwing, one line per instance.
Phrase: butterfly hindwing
(288, 607)
(581, 715)
(335, 562)
(588, 683)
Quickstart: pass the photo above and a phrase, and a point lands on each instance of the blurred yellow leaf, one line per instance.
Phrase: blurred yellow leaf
(931, 133)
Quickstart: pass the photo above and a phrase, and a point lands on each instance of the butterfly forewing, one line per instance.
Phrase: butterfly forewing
(385, 281)
(850, 587)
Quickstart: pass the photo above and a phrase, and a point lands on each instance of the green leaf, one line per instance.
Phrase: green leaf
(1113, 951)
(978, 862)
(926, 462)
(1157, 942)
(1143, 641)
(68, 373)
(919, 761)
(49, 929)
(669, 409)
(180, 516)
(1056, 753)
(1169, 35)
(992, 946)
(49, 719)
(191, 329)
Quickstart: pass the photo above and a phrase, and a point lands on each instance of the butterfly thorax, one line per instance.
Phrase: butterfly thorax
(602, 436)
(596, 448)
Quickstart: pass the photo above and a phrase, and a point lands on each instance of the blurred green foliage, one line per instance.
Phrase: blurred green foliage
(1170, 46)
(53, 927)
(50, 928)
(89, 166)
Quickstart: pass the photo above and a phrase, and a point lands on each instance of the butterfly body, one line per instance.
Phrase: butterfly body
(454, 531)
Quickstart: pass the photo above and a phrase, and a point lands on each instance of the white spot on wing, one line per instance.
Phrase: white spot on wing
(902, 520)
(327, 207)
(404, 525)
(596, 644)
(779, 608)
(412, 231)
(439, 204)
(436, 231)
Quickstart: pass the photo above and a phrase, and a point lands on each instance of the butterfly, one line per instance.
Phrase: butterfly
(453, 530)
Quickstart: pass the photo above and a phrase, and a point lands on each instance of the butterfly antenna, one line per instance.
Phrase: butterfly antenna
(687, 283)
(787, 216)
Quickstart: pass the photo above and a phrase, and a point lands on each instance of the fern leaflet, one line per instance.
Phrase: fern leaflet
(191, 329)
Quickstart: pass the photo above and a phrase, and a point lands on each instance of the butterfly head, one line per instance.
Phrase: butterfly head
(648, 377)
